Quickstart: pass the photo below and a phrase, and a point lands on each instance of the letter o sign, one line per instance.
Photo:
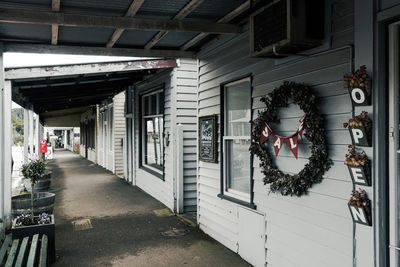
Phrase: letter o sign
(359, 96)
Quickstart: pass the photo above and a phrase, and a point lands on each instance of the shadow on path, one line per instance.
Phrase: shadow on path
(103, 221)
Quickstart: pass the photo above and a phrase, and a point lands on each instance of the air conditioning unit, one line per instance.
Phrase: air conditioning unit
(286, 27)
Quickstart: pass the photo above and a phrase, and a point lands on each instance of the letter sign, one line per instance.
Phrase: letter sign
(359, 215)
(43, 146)
(359, 96)
(359, 176)
(359, 136)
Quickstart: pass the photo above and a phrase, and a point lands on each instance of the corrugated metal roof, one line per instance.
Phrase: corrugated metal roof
(213, 10)
(175, 39)
(134, 38)
(209, 10)
(85, 36)
(25, 32)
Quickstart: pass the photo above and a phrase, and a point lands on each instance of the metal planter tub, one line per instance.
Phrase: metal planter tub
(43, 202)
(42, 185)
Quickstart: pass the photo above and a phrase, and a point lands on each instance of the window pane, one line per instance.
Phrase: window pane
(238, 114)
(238, 165)
(154, 147)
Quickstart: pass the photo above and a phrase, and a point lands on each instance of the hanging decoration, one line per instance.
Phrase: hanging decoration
(311, 127)
(279, 141)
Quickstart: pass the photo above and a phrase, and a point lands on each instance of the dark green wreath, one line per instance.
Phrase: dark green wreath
(314, 131)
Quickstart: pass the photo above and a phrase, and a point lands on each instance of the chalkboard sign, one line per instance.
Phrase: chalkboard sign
(208, 138)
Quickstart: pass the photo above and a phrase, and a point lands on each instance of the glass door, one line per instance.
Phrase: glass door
(394, 148)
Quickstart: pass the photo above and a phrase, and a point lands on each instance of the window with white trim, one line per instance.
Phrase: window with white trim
(236, 139)
(152, 116)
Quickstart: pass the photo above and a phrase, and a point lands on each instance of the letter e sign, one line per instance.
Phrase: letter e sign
(358, 176)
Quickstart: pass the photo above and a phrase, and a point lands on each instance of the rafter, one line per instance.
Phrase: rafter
(185, 11)
(75, 20)
(227, 18)
(87, 68)
(55, 7)
(131, 12)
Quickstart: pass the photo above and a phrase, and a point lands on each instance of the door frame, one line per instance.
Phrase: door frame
(380, 96)
(393, 144)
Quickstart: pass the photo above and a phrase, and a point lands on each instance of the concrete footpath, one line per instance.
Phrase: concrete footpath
(103, 221)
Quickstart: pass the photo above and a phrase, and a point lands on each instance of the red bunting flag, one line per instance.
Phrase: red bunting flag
(293, 144)
(292, 141)
(265, 133)
(300, 130)
(277, 144)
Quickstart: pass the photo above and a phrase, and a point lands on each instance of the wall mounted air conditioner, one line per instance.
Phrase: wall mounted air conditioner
(286, 27)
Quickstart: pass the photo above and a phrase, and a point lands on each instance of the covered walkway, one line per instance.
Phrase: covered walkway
(103, 221)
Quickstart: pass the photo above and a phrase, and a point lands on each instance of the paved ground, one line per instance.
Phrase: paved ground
(103, 221)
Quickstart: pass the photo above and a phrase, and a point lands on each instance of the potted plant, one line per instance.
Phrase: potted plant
(359, 166)
(360, 207)
(38, 202)
(360, 128)
(28, 224)
(358, 84)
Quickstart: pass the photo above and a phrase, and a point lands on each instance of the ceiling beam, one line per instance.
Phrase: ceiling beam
(131, 12)
(186, 10)
(75, 20)
(227, 18)
(98, 51)
(88, 68)
(70, 89)
(55, 7)
(119, 76)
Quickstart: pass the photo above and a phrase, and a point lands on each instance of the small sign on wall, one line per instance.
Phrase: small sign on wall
(208, 150)
(359, 96)
(360, 214)
(359, 176)
(360, 137)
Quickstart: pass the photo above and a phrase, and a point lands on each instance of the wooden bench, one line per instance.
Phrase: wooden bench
(25, 253)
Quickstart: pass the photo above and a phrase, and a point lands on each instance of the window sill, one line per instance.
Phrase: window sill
(238, 201)
(153, 172)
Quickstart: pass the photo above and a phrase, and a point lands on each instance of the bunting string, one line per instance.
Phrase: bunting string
(278, 140)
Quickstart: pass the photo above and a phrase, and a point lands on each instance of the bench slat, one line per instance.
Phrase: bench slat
(43, 252)
(12, 253)
(22, 252)
(4, 247)
(32, 252)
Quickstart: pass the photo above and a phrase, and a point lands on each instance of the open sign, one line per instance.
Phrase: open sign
(43, 146)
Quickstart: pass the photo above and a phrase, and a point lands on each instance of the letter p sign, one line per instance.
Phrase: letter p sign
(359, 136)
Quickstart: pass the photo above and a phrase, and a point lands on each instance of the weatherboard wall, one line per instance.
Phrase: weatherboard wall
(312, 230)
(180, 105)
(119, 133)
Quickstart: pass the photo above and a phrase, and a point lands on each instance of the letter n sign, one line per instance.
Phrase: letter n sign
(360, 215)
(359, 176)
(359, 96)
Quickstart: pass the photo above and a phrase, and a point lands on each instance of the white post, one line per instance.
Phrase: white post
(6, 170)
(26, 135)
(37, 136)
(179, 169)
(31, 140)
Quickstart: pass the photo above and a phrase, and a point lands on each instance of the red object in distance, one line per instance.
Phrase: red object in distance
(43, 146)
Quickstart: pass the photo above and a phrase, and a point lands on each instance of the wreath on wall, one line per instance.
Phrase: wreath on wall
(312, 124)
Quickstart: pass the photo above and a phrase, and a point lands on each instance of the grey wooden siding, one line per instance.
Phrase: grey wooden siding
(119, 133)
(185, 77)
(159, 189)
(314, 230)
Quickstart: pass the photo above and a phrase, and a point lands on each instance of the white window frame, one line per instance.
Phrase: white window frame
(142, 120)
(226, 191)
